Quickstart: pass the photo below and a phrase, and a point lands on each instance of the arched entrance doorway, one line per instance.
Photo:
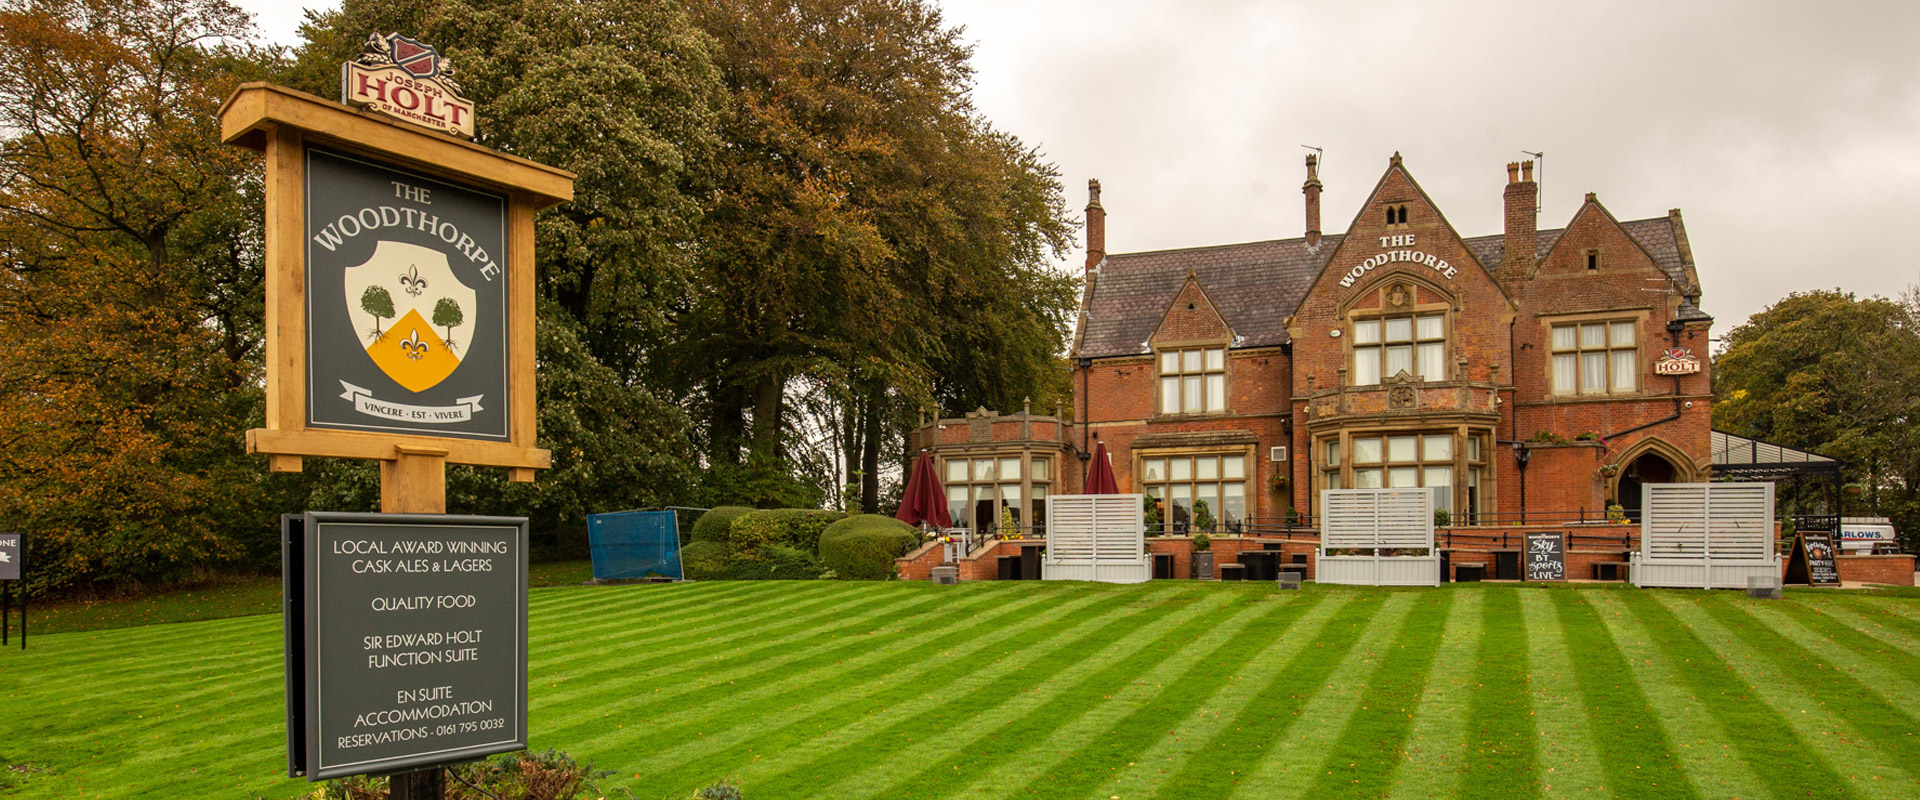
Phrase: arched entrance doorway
(1650, 467)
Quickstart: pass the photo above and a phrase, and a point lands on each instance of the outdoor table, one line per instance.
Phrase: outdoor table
(1262, 565)
(1233, 572)
(1163, 566)
(1469, 573)
(1506, 563)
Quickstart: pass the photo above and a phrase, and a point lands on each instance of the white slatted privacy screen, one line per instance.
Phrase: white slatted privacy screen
(1096, 537)
(1377, 518)
(1700, 520)
(1707, 535)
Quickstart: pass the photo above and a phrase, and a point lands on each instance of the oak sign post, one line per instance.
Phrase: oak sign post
(400, 328)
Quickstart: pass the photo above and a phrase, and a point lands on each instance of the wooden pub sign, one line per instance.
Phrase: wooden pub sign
(400, 328)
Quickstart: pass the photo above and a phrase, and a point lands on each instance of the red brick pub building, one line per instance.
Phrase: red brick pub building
(1536, 373)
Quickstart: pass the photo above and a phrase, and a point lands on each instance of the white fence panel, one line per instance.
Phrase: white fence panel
(1705, 535)
(1375, 520)
(1096, 537)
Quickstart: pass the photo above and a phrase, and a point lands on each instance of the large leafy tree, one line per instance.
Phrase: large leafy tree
(621, 93)
(869, 232)
(1840, 375)
(130, 290)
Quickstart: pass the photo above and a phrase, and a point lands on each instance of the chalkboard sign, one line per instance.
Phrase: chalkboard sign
(1812, 560)
(406, 641)
(9, 556)
(1546, 557)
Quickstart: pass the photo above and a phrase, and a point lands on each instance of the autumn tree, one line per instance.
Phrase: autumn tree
(870, 232)
(1832, 373)
(130, 302)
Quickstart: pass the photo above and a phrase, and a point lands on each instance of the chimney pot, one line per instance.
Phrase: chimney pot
(1526, 171)
(1096, 226)
(1312, 190)
(1522, 213)
(1513, 172)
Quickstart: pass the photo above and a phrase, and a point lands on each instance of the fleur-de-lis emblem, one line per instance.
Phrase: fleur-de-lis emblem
(413, 282)
(415, 349)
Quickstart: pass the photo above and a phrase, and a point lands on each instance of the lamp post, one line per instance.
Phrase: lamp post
(1521, 455)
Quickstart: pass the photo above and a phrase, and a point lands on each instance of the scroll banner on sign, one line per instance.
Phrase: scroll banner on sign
(365, 403)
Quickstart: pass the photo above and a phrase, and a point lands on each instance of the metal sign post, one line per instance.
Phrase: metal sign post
(13, 548)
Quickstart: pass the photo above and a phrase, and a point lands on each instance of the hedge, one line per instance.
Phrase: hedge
(776, 562)
(863, 548)
(715, 525)
(798, 528)
(704, 561)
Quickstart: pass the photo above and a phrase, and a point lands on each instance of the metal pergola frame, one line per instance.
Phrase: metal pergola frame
(1737, 457)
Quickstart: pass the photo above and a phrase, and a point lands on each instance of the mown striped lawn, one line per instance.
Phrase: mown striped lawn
(1071, 691)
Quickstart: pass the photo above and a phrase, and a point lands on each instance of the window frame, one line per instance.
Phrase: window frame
(1026, 515)
(1636, 320)
(1162, 499)
(1181, 374)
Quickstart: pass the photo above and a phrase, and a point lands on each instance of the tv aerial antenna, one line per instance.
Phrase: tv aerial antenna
(1540, 170)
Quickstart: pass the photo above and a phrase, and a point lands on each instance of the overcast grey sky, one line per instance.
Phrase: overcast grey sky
(1788, 133)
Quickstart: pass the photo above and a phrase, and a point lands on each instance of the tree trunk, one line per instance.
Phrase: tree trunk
(870, 450)
(850, 442)
(726, 424)
(768, 393)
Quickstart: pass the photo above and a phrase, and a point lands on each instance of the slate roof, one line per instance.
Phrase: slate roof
(1257, 285)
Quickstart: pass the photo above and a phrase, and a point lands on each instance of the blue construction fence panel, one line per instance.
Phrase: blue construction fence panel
(632, 545)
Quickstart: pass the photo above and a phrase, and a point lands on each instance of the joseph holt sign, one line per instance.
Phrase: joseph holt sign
(409, 81)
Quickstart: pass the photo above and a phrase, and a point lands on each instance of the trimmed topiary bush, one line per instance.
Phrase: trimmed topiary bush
(717, 525)
(776, 562)
(705, 561)
(798, 528)
(863, 548)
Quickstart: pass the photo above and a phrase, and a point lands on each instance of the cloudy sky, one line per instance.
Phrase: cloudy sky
(1788, 133)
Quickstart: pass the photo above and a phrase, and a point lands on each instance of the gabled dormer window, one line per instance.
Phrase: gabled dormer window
(1193, 381)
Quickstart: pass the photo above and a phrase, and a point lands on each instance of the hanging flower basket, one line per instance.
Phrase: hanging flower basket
(1609, 470)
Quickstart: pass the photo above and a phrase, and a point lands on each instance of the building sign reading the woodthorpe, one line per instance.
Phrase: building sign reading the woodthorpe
(409, 81)
(406, 303)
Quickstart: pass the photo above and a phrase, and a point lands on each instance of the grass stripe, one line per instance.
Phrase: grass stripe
(1376, 734)
(1874, 626)
(1756, 731)
(1500, 758)
(1845, 634)
(1898, 687)
(1704, 748)
(1009, 754)
(1235, 752)
(845, 761)
(1185, 737)
(1568, 763)
(1095, 748)
(1867, 768)
(1015, 697)
(1638, 759)
(797, 698)
(1430, 766)
(1839, 692)
(1286, 766)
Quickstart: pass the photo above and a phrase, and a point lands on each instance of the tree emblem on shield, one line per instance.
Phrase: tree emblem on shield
(409, 349)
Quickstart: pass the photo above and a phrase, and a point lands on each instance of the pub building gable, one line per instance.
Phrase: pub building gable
(1395, 353)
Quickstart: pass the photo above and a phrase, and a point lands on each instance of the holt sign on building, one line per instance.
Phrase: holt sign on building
(409, 81)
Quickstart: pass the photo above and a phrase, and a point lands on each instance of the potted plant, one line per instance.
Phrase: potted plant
(1202, 559)
(1279, 482)
(1150, 512)
(1202, 516)
(1442, 518)
(1609, 470)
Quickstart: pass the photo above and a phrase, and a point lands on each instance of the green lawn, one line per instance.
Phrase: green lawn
(1058, 690)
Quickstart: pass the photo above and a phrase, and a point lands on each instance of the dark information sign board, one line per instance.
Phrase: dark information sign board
(406, 644)
(9, 556)
(406, 302)
(1812, 562)
(1546, 557)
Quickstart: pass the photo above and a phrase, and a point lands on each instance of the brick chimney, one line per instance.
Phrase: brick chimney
(1523, 214)
(1312, 190)
(1096, 226)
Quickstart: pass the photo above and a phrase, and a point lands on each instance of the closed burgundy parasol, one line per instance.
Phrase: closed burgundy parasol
(925, 499)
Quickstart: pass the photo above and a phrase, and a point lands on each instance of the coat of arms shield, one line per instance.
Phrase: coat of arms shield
(408, 307)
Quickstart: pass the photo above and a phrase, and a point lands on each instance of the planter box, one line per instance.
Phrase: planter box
(1380, 570)
(1201, 566)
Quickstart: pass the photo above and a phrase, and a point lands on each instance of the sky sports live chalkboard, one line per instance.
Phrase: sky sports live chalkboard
(407, 645)
(1546, 557)
(406, 302)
